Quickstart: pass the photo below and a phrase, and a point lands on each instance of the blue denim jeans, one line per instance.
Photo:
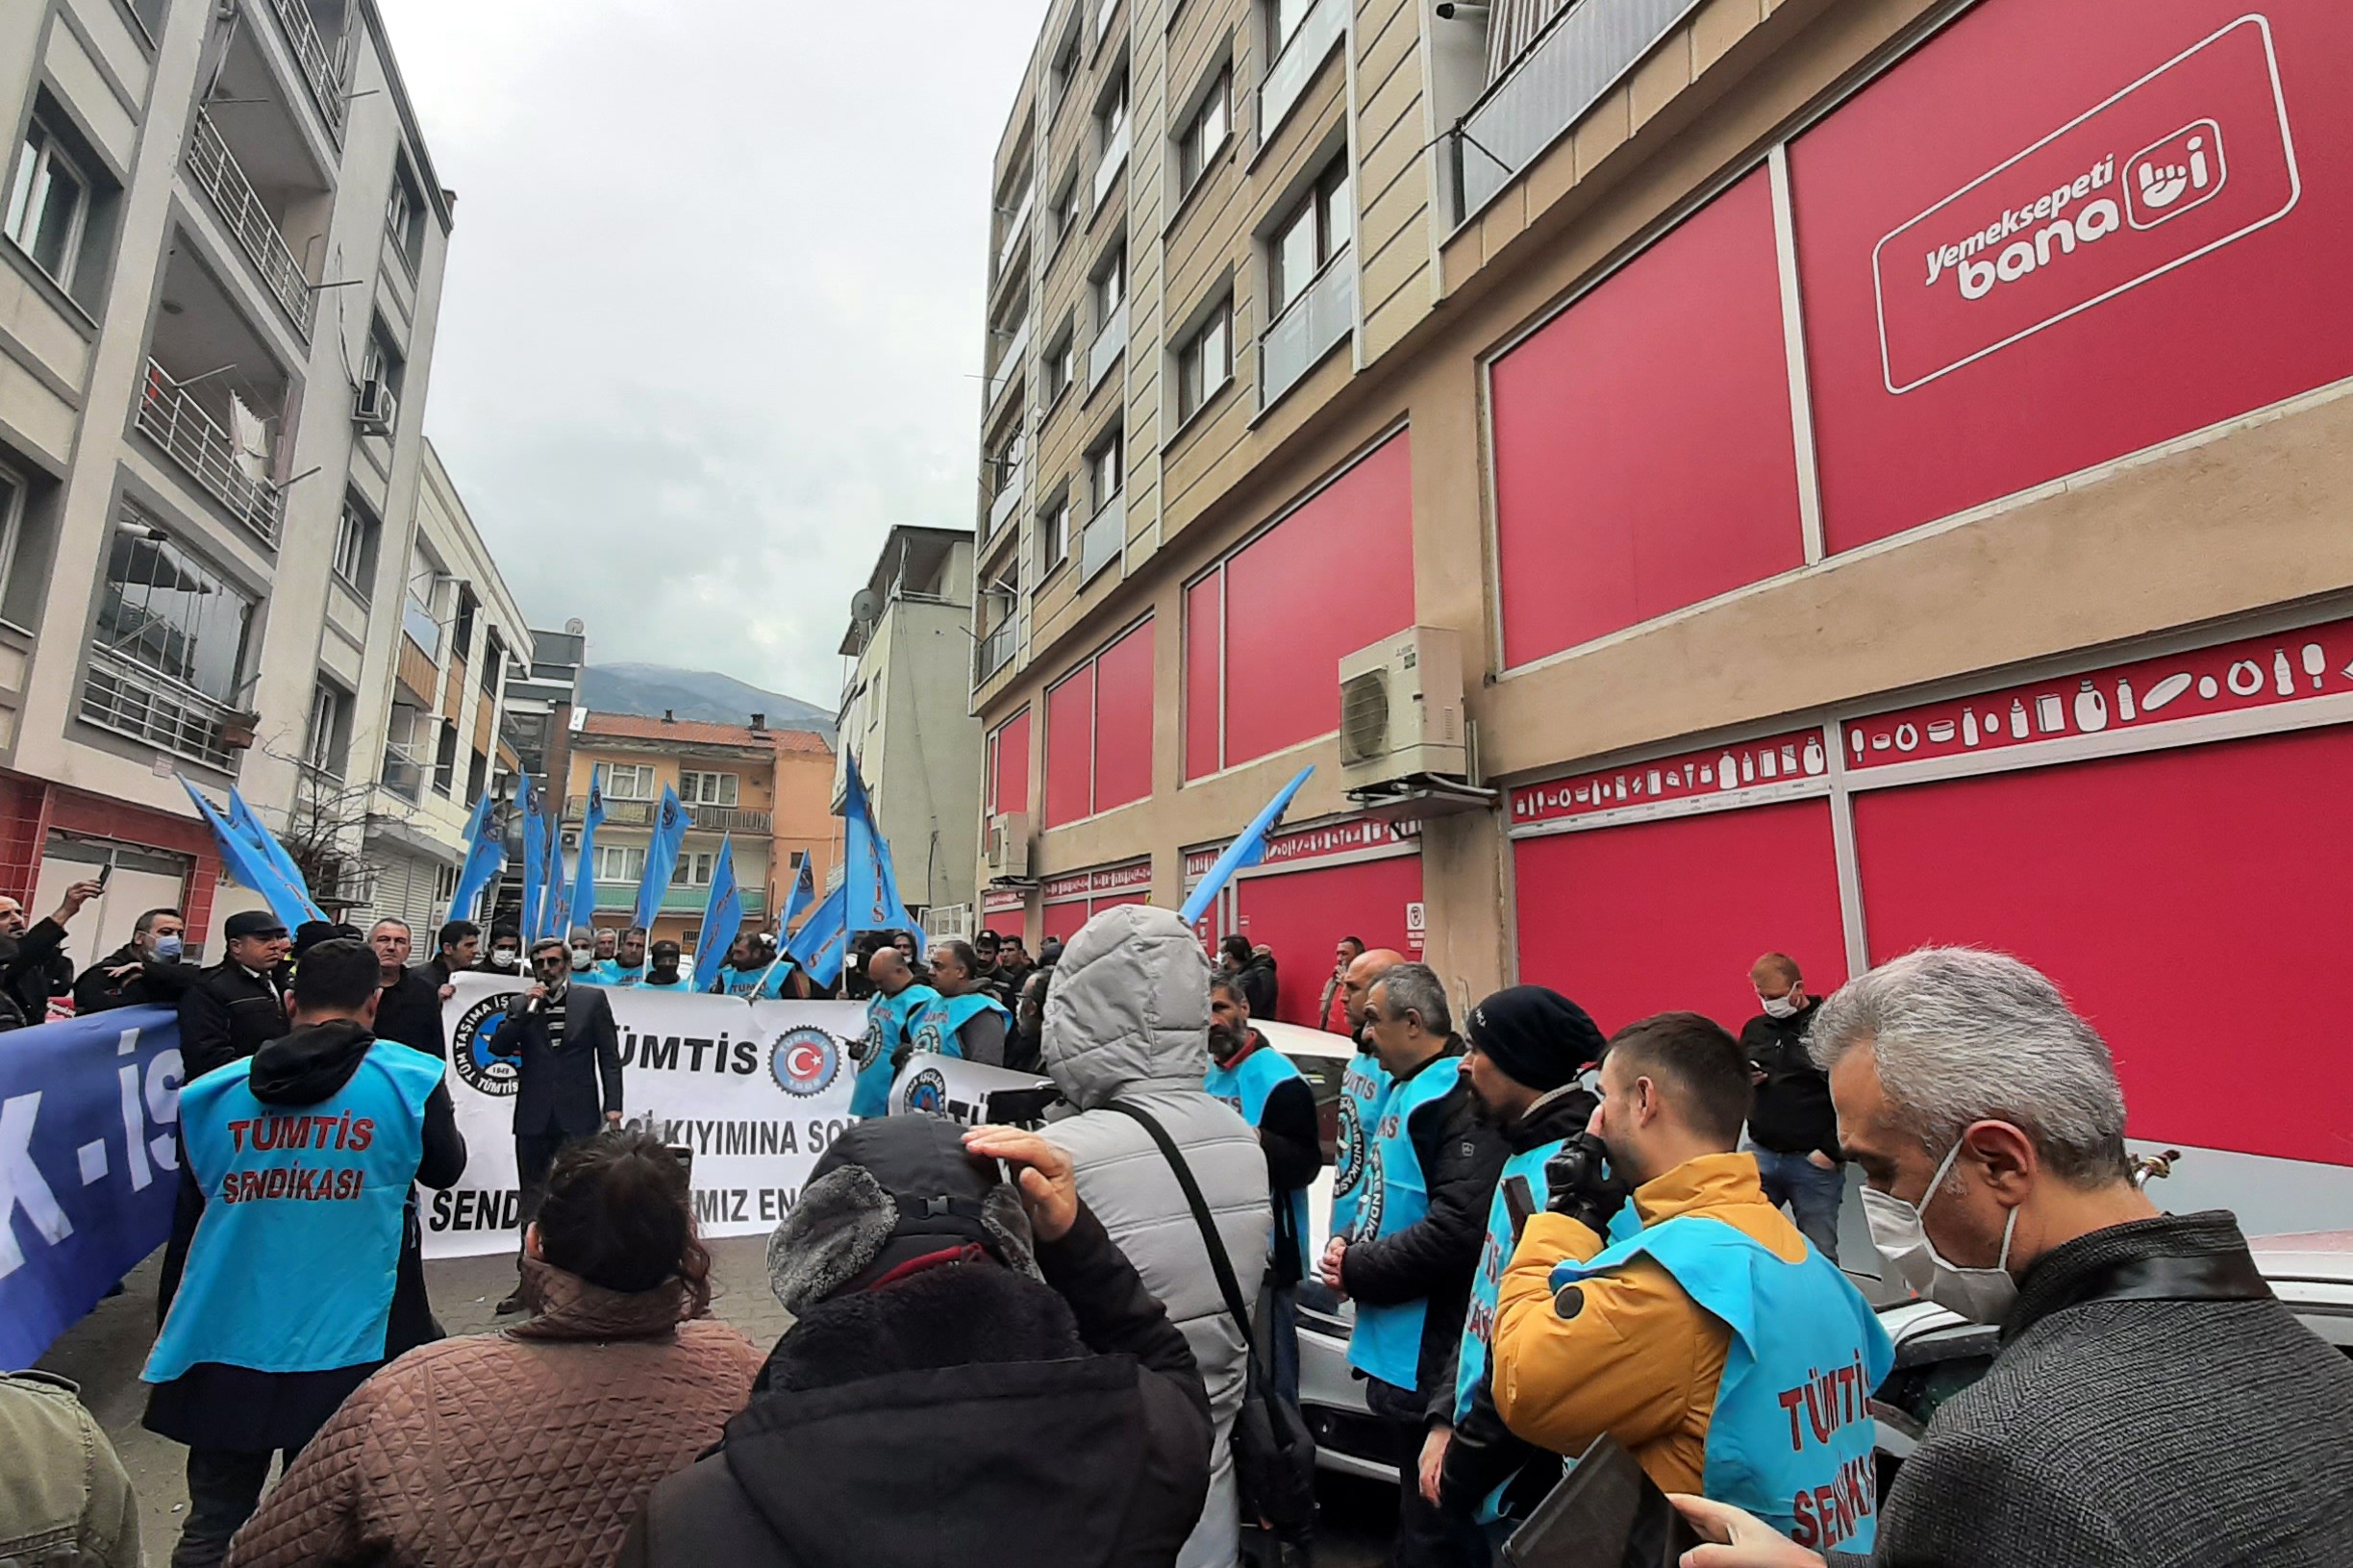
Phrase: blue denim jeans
(1813, 1194)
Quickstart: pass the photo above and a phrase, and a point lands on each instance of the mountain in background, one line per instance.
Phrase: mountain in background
(703, 695)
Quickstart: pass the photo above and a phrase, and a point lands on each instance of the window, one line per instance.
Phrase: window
(48, 205)
(165, 610)
(1103, 471)
(1205, 363)
(1064, 210)
(327, 738)
(706, 788)
(445, 759)
(404, 213)
(477, 773)
(624, 781)
(1111, 117)
(694, 869)
(493, 660)
(1064, 70)
(355, 547)
(1111, 286)
(1053, 533)
(1105, 10)
(1061, 363)
(1206, 132)
(620, 862)
(382, 361)
(11, 519)
(1284, 17)
(150, 15)
(1314, 231)
(417, 615)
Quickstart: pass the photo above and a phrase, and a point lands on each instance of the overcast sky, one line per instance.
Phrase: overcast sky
(713, 316)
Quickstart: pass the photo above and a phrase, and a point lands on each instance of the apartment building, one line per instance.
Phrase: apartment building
(461, 633)
(769, 791)
(1882, 465)
(905, 718)
(221, 267)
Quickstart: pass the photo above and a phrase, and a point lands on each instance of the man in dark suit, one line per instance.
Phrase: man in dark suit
(568, 1073)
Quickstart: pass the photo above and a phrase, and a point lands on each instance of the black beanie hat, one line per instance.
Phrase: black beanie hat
(1538, 1036)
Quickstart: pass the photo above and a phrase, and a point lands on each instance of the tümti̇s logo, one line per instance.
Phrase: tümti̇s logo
(805, 1062)
(469, 1047)
(2194, 156)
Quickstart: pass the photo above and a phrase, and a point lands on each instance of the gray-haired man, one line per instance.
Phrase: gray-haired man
(2151, 1402)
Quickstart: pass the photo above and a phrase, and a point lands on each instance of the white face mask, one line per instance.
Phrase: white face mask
(1980, 1295)
(584, 957)
(1780, 1007)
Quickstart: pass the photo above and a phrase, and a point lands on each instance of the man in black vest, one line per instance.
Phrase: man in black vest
(567, 1074)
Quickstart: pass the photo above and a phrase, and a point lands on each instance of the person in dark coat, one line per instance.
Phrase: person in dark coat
(242, 1374)
(33, 963)
(144, 972)
(1793, 1126)
(567, 1074)
(409, 1008)
(2151, 1401)
(971, 1362)
(459, 944)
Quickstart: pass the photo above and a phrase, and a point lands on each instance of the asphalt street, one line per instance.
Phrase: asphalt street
(103, 1354)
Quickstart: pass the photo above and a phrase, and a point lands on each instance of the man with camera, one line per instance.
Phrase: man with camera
(567, 1074)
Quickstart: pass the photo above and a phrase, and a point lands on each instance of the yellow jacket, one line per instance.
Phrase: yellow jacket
(1636, 1357)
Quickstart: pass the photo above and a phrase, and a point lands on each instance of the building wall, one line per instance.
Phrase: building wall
(2111, 490)
(805, 823)
(755, 771)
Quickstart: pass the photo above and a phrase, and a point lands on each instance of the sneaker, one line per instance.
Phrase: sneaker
(513, 1305)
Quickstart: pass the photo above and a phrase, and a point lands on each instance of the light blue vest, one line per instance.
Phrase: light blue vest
(1790, 1438)
(1387, 1341)
(292, 1265)
(887, 1018)
(936, 1026)
(609, 972)
(1485, 1285)
(749, 981)
(1362, 1090)
(1245, 1087)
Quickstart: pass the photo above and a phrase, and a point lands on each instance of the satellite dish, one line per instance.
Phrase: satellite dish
(865, 605)
(575, 627)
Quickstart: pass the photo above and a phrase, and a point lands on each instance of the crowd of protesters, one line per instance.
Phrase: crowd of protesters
(1061, 1343)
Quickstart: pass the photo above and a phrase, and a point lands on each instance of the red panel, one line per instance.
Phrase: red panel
(1070, 734)
(1644, 453)
(1008, 764)
(1204, 641)
(1123, 720)
(2190, 902)
(1334, 575)
(1301, 914)
(1665, 916)
(2159, 319)
(1063, 920)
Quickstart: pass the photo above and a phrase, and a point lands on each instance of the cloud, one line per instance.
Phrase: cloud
(711, 322)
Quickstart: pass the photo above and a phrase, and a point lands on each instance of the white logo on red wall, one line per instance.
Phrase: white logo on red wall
(2194, 156)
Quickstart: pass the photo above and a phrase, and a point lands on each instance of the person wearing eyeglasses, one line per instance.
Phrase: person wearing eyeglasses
(568, 1075)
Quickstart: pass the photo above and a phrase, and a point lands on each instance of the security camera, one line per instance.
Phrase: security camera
(1467, 10)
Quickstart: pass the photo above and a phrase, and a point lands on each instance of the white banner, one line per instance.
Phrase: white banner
(967, 1091)
(756, 1089)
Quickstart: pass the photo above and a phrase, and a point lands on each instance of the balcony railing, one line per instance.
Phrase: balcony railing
(1309, 328)
(1010, 363)
(403, 776)
(727, 819)
(423, 629)
(1115, 157)
(677, 898)
(618, 814)
(1104, 536)
(1008, 499)
(213, 168)
(1303, 53)
(170, 417)
(318, 66)
(1110, 343)
(125, 696)
(1573, 63)
(996, 650)
(1015, 227)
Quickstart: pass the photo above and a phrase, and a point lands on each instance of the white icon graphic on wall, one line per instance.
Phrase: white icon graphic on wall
(2171, 176)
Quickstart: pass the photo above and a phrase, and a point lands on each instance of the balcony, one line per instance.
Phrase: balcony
(402, 776)
(618, 814)
(1017, 228)
(1588, 49)
(1302, 56)
(1104, 536)
(191, 438)
(1115, 159)
(996, 650)
(677, 898)
(130, 699)
(318, 67)
(1110, 343)
(1312, 325)
(1008, 499)
(1009, 362)
(215, 170)
(727, 819)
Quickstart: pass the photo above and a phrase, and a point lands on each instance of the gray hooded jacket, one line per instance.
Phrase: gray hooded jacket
(1128, 1020)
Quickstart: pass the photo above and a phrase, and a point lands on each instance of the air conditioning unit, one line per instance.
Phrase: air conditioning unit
(1008, 846)
(1401, 709)
(374, 407)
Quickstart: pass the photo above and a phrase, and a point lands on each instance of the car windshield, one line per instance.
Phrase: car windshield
(1324, 1075)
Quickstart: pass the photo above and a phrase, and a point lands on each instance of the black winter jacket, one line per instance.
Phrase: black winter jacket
(2191, 1421)
(157, 985)
(1433, 1259)
(965, 1413)
(1792, 1114)
(226, 1016)
(409, 1013)
(33, 969)
(1484, 1454)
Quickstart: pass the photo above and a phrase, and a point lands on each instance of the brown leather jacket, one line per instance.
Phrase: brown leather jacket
(528, 1449)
